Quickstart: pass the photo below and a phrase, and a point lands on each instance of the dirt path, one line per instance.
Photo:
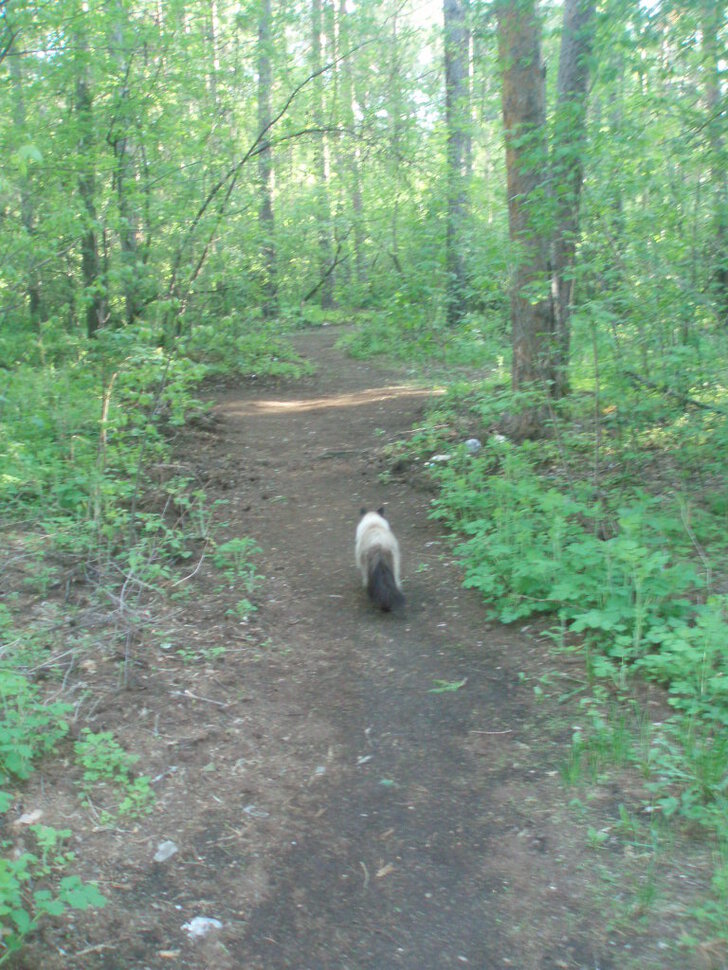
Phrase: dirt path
(329, 809)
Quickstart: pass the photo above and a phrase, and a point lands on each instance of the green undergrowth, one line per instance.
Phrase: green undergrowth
(94, 500)
(612, 529)
(33, 875)
(251, 347)
(409, 334)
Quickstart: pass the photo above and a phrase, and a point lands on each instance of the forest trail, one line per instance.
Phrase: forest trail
(330, 809)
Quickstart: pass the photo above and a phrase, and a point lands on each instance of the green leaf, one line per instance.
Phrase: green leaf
(446, 686)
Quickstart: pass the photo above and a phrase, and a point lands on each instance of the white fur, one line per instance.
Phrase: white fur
(377, 556)
(374, 534)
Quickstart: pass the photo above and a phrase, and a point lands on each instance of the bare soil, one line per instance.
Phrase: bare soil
(330, 809)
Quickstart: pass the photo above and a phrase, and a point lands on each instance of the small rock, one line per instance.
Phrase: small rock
(30, 818)
(473, 445)
(439, 459)
(165, 850)
(255, 812)
(200, 926)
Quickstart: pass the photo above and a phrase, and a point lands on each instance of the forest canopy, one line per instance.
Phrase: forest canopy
(172, 163)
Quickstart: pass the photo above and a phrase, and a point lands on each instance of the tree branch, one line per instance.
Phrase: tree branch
(684, 399)
(335, 262)
(231, 176)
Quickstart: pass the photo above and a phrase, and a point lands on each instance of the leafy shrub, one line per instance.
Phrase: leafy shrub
(235, 345)
(29, 727)
(632, 598)
(406, 333)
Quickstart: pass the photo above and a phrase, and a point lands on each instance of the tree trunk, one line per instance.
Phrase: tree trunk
(214, 62)
(27, 210)
(349, 115)
(336, 111)
(125, 174)
(457, 116)
(265, 162)
(567, 170)
(712, 18)
(524, 119)
(395, 116)
(321, 164)
(94, 287)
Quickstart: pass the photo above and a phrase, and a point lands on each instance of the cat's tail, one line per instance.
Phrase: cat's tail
(381, 584)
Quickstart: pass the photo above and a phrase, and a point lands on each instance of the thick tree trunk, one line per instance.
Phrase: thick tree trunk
(567, 169)
(524, 118)
(321, 164)
(265, 162)
(457, 116)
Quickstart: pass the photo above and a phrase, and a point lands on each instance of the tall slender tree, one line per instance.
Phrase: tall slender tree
(120, 138)
(321, 161)
(712, 19)
(394, 113)
(265, 160)
(27, 209)
(348, 111)
(567, 166)
(457, 118)
(94, 295)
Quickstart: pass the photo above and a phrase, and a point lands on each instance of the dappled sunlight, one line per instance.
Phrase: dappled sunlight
(350, 399)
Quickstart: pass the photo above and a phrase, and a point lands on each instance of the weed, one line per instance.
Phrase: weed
(233, 558)
(29, 727)
(242, 609)
(447, 686)
(30, 888)
(597, 838)
(106, 766)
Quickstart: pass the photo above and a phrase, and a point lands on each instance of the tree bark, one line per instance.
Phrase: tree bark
(27, 209)
(567, 164)
(321, 163)
(266, 174)
(94, 286)
(712, 18)
(355, 182)
(457, 117)
(125, 173)
(338, 151)
(395, 132)
(524, 119)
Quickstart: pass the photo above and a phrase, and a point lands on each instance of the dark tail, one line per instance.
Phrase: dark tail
(382, 588)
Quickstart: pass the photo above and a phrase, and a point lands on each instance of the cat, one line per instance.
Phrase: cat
(377, 556)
